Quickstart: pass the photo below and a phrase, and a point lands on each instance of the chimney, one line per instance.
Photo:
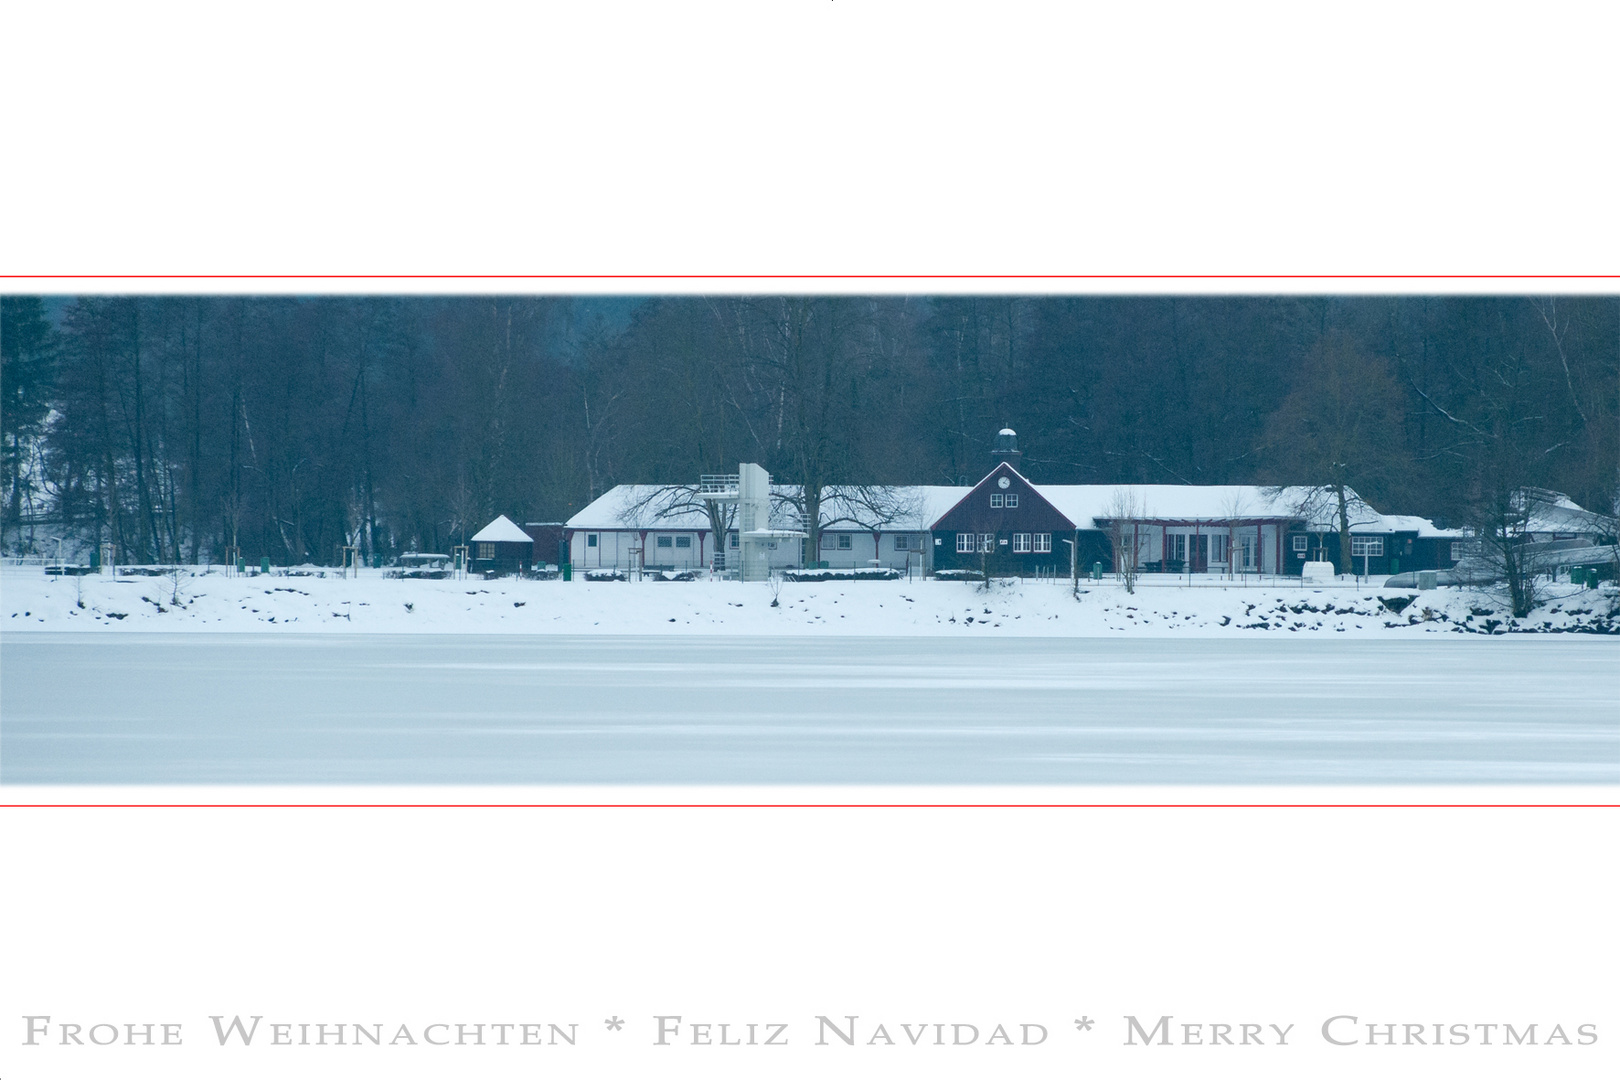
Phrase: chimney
(1006, 448)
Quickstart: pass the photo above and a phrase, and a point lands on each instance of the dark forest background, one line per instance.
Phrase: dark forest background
(175, 426)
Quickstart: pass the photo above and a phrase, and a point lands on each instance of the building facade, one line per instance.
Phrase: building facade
(1007, 524)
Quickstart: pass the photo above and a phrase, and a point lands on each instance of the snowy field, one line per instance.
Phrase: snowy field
(213, 603)
(569, 708)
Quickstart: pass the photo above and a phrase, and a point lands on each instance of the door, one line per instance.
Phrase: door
(1200, 554)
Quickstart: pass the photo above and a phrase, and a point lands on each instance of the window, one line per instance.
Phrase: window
(1367, 545)
(1457, 550)
(486, 551)
(1217, 547)
(908, 543)
(1012, 500)
(964, 543)
(1043, 543)
(995, 501)
(1020, 543)
(683, 541)
(731, 541)
(590, 539)
(1246, 552)
(843, 541)
(666, 541)
(987, 541)
(1301, 543)
(1178, 546)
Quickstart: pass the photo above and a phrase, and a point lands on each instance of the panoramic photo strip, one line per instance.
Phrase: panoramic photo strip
(810, 540)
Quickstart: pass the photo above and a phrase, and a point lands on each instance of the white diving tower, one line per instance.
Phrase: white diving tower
(750, 489)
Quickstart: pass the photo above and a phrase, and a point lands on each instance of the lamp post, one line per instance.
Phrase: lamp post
(1074, 565)
(58, 540)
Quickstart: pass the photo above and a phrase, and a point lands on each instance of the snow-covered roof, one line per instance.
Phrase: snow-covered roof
(642, 506)
(1555, 512)
(896, 508)
(1408, 523)
(1089, 505)
(911, 508)
(915, 508)
(501, 531)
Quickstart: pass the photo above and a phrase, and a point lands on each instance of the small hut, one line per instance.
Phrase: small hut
(501, 547)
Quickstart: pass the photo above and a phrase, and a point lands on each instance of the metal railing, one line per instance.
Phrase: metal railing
(717, 483)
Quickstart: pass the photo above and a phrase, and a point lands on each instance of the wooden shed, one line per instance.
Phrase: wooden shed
(501, 547)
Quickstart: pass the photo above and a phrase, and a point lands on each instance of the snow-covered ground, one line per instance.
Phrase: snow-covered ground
(212, 602)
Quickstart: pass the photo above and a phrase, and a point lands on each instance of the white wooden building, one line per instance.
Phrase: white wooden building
(668, 527)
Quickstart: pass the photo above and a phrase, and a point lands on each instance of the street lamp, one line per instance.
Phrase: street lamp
(1074, 565)
(58, 540)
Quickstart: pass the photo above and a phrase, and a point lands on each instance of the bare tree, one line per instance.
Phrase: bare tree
(178, 581)
(1125, 533)
(1335, 504)
(1339, 425)
(1234, 507)
(665, 501)
(866, 506)
(1516, 563)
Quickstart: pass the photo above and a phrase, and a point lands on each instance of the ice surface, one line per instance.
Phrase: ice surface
(568, 708)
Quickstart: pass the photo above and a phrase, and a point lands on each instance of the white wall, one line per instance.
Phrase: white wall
(613, 550)
(861, 550)
(614, 545)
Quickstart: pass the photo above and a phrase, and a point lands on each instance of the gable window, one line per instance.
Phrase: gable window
(964, 543)
(1012, 500)
(1020, 544)
(666, 541)
(1043, 543)
(1367, 545)
(590, 539)
(995, 501)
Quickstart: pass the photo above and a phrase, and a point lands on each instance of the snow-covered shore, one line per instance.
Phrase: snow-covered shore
(213, 603)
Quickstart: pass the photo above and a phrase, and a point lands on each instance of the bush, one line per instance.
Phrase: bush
(842, 575)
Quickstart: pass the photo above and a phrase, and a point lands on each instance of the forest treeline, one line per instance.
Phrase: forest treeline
(175, 427)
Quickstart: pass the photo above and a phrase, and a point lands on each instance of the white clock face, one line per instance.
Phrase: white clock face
(1004, 482)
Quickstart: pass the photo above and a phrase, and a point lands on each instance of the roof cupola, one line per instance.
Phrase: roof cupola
(1006, 447)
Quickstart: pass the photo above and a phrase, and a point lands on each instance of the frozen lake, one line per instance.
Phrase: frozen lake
(240, 708)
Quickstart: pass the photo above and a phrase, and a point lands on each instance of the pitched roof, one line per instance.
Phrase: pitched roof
(501, 531)
(1408, 523)
(917, 508)
(912, 508)
(1090, 505)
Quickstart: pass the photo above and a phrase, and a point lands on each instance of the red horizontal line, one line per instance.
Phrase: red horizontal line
(809, 806)
(813, 277)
